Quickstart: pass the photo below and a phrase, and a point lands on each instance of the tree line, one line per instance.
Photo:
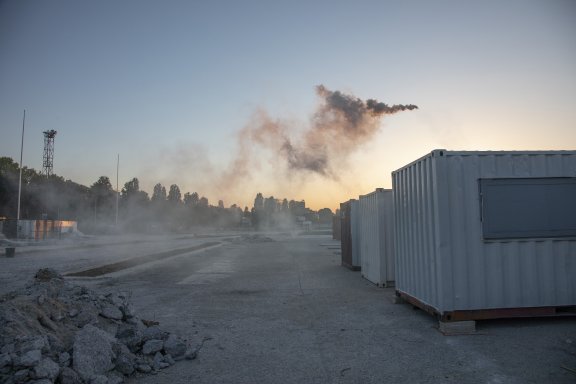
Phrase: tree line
(100, 209)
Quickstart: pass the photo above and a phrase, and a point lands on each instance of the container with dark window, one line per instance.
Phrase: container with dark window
(487, 234)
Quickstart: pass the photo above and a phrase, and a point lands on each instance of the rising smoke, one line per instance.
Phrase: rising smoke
(339, 126)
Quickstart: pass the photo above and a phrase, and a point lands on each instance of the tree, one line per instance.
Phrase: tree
(325, 215)
(159, 193)
(102, 184)
(135, 208)
(259, 202)
(103, 198)
(174, 195)
(131, 189)
(191, 199)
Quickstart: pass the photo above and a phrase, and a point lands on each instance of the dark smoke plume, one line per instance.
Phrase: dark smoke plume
(340, 125)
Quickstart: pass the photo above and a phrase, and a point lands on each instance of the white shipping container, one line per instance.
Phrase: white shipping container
(479, 233)
(355, 230)
(376, 237)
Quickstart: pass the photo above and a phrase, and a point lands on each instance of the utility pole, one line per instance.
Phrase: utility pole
(20, 178)
(117, 191)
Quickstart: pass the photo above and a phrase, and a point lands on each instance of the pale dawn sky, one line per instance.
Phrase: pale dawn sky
(169, 85)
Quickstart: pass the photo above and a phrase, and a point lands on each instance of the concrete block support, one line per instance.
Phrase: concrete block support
(450, 328)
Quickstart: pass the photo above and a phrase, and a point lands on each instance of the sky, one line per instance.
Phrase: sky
(177, 89)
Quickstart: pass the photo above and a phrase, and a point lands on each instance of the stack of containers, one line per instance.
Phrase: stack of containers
(376, 236)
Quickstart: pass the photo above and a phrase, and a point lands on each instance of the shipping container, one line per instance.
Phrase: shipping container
(487, 234)
(376, 236)
(336, 227)
(38, 229)
(349, 234)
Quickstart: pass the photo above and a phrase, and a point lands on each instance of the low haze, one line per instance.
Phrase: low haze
(225, 98)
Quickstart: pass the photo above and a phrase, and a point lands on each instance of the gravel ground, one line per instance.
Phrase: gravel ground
(280, 309)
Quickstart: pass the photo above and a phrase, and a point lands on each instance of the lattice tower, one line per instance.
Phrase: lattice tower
(48, 158)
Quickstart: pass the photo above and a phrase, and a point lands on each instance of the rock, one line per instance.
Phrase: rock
(175, 347)
(144, 368)
(125, 360)
(30, 359)
(92, 353)
(41, 381)
(27, 344)
(21, 376)
(47, 274)
(152, 346)
(69, 376)
(111, 312)
(46, 369)
(98, 379)
(191, 354)
(64, 359)
(55, 345)
(73, 312)
(168, 358)
(5, 360)
(153, 332)
(8, 348)
(159, 362)
(114, 378)
(131, 335)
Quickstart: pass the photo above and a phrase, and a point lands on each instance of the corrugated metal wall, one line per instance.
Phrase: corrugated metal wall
(376, 237)
(441, 257)
(355, 231)
(349, 234)
(336, 227)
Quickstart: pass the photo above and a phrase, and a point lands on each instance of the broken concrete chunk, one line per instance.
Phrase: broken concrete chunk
(111, 312)
(8, 348)
(175, 347)
(152, 346)
(169, 359)
(42, 381)
(98, 379)
(153, 332)
(46, 369)
(47, 274)
(21, 376)
(144, 368)
(30, 358)
(114, 378)
(131, 335)
(73, 312)
(5, 360)
(30, 343)
(69, 376)
(92, 353)
(64, 359)
(125, 360)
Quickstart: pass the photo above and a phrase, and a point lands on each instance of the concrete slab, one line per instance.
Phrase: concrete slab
(285, 311)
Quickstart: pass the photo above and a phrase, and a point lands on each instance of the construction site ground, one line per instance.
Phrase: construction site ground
(279, 308)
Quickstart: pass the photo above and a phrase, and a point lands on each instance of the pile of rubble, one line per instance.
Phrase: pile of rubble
(53, 331)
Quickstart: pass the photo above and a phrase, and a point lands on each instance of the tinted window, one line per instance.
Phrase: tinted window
(525, 208)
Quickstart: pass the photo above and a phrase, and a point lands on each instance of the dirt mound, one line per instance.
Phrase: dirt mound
(53, 331)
